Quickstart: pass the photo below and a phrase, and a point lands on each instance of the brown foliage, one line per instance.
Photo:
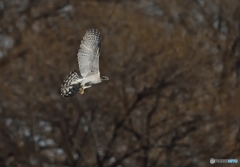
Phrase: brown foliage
(172, 97)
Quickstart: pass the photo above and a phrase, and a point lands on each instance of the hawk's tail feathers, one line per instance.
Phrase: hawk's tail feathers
(71, 84)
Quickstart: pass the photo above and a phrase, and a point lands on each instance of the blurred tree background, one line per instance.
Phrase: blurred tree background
(172, 97)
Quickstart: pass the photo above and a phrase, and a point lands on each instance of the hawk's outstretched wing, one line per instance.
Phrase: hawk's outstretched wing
(88, 54)
(71, 84)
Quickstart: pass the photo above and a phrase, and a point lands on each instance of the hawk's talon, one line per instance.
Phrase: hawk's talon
(81, 90)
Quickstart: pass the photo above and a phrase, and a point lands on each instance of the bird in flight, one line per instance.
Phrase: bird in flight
(88, 61)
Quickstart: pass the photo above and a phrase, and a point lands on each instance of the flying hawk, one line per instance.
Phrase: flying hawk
(88, 61)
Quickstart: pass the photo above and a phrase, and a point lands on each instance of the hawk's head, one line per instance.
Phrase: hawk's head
(104, 78)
